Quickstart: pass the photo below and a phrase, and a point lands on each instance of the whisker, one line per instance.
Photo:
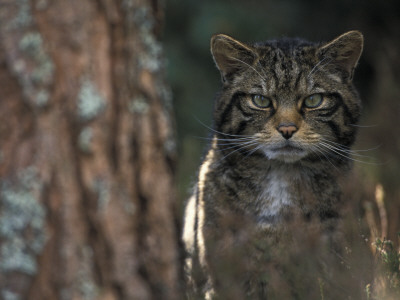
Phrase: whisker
(319, 150)
(338, 146)
(346, 151)
(238, 149)
(254, 150)
(315, 68)
(219, 132)
(348, 157)
(262, 68)
(369, 149)
(329, 141)
(364, 126)
(248, 66)
(224, 139)
(234, 145)
(248, 153)
(351, 150)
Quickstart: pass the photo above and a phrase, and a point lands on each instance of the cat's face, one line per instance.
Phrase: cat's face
(288, 99)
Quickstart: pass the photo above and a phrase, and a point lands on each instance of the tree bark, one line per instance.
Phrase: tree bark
(87, 204)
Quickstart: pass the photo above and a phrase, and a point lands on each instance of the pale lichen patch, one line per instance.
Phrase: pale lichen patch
(9, 295)
(101, 188)
(22, 223)
(25, 52)
(85, 140)
(41, 4)
(84, 279)
(90, 102)
(141, 19)
(23, 17)
(138, 105)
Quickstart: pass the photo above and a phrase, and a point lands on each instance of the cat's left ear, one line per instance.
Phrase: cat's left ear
(230, 55)
(343, 52)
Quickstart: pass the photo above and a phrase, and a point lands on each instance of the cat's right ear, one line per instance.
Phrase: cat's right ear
(230, 55)
(344, 52)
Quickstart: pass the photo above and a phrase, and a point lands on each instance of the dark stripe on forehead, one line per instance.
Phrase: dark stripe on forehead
(287, 72)
(286, 68)
(297, 81)
(275, 77)
(292, 74)
(288, 64)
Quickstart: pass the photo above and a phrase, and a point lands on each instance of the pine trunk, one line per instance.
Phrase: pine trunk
(86, 153)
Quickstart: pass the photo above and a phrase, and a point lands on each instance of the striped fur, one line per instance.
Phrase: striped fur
(253, 178)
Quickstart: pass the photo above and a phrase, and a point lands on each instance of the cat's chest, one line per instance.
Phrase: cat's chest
(279, 192)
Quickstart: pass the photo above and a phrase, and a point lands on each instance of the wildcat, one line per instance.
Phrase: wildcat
(284, 123)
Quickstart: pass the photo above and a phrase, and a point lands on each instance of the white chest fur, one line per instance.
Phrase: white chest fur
(277, 194)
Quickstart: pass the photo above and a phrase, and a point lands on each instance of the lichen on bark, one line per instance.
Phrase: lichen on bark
(90, 102)
(22, 225)
(27, 57)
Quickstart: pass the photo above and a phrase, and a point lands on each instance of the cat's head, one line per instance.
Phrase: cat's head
(288, 98)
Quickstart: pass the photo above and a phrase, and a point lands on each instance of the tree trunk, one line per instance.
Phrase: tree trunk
(86, 153)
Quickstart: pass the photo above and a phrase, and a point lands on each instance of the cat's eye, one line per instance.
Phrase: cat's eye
(313, 101)
(261, 101)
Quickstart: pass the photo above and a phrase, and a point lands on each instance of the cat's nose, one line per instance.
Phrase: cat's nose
(287, 130)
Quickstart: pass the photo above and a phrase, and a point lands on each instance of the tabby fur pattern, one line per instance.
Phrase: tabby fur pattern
(284, 123)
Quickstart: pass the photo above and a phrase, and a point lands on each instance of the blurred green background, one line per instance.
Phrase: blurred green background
(195, 80)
